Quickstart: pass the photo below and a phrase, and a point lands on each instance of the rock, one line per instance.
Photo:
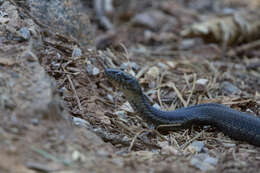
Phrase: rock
(201, 84)
(187, 44)
(151, 19)
(229, 89)
(127, 107)
(132, 65)
(202, 81)
(110, 97)
(78, 156)
(26, 89)
(77, 52)
(80, 122)
(196, 146)
(66, 17)
(96, 71)
(92, 70)
(25, 33)
(168, 149)
(203, 162)
(156, 106)
(122, 115)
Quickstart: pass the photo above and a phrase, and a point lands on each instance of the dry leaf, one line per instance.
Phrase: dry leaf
(228, 30)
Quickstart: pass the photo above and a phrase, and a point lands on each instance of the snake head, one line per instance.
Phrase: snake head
(125, 82)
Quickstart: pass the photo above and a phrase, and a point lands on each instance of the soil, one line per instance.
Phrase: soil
(59, 113)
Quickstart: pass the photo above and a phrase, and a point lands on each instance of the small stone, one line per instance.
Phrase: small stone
(4, 20)
(80, 122)
(77, 52)
(201, 84)
(127, 107)
(132, 65)
(3, 14)
(150, 19)
(35, 121)
(211, 160)
(202, 81)
(156, 106)
(162, 65)
(102, 152)
(25, 33)
(204, 162)
(96, 71)
(77, 156)
(196, 146)
(168, 149)
(171, 64)
(121, 115)
(89, 68)
(92, 70)
(110, 97)
(229, 89)
(187, 44)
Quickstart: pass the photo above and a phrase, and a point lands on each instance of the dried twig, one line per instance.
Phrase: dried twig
(74, 92)
(133, 140)
(192, 90)
(191, 140)
(244, 48)
(172, 85)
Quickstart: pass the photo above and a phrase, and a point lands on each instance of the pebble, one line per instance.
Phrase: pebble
(196, 146)
(187, 44)
(78, 156)
(96, 71)
(92, 70)
(168, 149)
(201, 84)
(162, 65)
(25, 33)
(202, 81)
(149, 19)
(127, 107)
(156, 106)
(80, 122)
(77, 52)
(204, 162)
(229, 89)
(122, 115)
(3, 14)
(132, 65)
(110, 97)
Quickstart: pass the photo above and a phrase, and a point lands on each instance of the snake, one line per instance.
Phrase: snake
(233, 123)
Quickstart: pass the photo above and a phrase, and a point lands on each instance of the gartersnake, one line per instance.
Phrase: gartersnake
(238, 125)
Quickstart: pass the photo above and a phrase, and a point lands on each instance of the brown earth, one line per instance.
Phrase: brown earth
(58, 113)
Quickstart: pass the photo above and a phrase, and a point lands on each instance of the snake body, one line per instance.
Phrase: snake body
(238, 125)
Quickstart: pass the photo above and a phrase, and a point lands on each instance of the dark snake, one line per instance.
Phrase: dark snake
(238, 125)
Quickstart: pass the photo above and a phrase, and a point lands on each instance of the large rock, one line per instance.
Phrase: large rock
(68, 17)
(24, 86)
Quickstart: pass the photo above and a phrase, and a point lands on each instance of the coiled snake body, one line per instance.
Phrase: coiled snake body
(237, 125)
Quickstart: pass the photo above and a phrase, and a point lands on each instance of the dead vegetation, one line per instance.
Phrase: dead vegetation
(174, 72)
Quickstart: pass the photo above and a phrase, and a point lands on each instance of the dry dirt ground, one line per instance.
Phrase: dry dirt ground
(58, 112)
